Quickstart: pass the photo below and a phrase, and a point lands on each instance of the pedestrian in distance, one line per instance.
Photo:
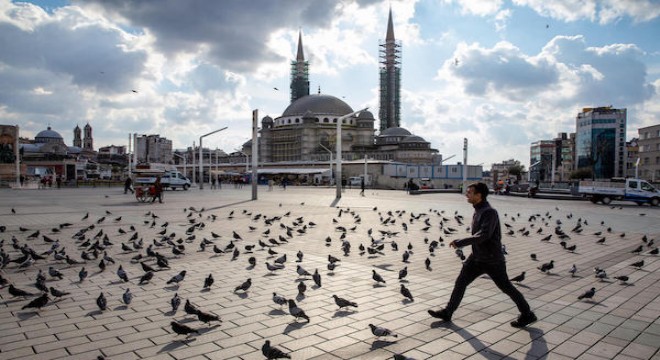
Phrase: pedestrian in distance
(486, 258)
(158, 191)
(128, 185)
(362, 186)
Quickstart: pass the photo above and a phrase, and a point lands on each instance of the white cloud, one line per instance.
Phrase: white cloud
(603, 11)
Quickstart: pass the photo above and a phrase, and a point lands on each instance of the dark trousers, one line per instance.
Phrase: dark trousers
(473, 269)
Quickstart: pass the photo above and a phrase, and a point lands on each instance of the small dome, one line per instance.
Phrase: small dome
(267, 119)
(413, 139)
(395, 131)
(366, 115)
(46, 135)
(318, 104)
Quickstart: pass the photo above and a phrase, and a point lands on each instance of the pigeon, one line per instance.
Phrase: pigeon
(546, 267)
(271, 352)
(207, 317)
(302, 288)
(189, 308)
(279, 300)
(295, 311)
(381, 331)
(181, 329)
(175, 302)
(573, 270)
(177, 278)
(403, 273)
(377, 278)
(127, 297)
(82, 274)
(299, 255)
(146, 267)
(622, 278)
(146, 277)
(122, 274)
(638, 250)
(208, 281)
(406, 293)
(518, 278)
(316, 277)
(274, 267)
(37, 303)
(532, 256)
(55, 273)
(101, 302)
(244, 286)
(302, 272)
(588, 294)
(638, 264)
(653, 252)
(58, 293)
(343, 303)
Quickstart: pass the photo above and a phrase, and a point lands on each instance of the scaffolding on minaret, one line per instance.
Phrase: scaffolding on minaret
(299, 74)
(390, 79)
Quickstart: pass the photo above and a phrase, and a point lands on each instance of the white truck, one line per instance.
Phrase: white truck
(169, 178)
(628, 189)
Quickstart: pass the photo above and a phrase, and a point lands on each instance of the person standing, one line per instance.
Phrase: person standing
(486, 258)
(362, 186)
(158, 191)
(128, 185)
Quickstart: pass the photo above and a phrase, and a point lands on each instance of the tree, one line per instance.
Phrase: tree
(517, 170)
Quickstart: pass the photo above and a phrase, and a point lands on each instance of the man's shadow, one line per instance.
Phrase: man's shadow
(538, 348)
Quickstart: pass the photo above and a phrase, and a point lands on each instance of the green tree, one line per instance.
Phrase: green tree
(517, 170)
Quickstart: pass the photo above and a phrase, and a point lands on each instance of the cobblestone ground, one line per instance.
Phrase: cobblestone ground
(620, 322)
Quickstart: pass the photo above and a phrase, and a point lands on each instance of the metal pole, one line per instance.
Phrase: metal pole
(465, 159)
(365, 168)
(255, 152)
(135, 150)
(194, 178)
(338, 177)
(128, 173)
(17, 153)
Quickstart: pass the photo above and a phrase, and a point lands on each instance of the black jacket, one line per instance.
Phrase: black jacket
(486, 239)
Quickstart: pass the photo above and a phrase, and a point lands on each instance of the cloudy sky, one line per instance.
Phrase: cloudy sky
(501, 73)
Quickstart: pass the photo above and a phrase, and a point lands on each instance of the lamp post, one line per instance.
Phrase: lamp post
(328, 150)
(247, 159)
(201, 159)
(185, 172)
(339, 122)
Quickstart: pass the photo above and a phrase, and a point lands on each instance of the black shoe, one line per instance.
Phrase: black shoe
(440, 314)
(524, 320)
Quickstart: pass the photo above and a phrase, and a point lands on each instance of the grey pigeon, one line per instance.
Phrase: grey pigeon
(343, 303)
(101, 302)
(317, 278)
(175, 302)
(296, 312)
(271, 352)
(377, 278)
(381, 331)
(279, 300)
(588, 294)
(244, 286)
(37, 303)
(127, 296)
(181, 329)
(406, 293)
(177, 278)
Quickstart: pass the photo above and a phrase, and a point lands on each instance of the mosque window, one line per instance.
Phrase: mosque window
(325, 120)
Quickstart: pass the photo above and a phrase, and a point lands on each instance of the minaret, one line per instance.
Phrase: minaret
(390, 79)
(299, 74)
(77, 140)
(88, 142)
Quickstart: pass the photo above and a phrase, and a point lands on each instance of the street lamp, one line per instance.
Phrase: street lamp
(185, 172)
(201, 158)
(328, 150)
(338, 176)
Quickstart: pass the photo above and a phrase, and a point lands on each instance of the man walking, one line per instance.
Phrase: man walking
(362, 186)
(486, 258)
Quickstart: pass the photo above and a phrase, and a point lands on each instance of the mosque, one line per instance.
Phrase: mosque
(308, 126)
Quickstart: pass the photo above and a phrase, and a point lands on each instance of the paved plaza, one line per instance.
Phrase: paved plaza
(621, 321)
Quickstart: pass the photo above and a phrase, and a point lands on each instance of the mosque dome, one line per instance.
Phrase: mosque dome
(395, 131)
(318, 104)
(48, 135)
(365, 115)
(413, 139)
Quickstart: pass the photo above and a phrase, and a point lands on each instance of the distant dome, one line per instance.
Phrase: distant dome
(395, 131)
(318, 104)
(366, 115)
(47, 135)
(413, 139)
(267, 119)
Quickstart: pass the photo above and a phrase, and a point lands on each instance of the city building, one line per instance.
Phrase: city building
(649, 153)
(600, 142)
(153, 149)
(390, 79)
(632, 157)
(48, 155)
(558, 152)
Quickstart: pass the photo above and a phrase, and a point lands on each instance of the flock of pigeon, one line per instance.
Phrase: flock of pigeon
(152, 245)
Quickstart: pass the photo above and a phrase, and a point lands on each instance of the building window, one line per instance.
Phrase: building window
(325, 120)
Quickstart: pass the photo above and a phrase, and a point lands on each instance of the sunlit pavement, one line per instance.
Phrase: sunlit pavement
(620, 322)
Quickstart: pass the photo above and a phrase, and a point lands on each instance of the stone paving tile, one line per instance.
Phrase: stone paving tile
(621, 321)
